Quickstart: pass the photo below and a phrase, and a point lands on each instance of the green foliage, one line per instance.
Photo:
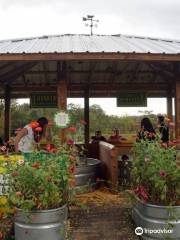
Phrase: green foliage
(23, 114)
(41, 182)
(155, 174)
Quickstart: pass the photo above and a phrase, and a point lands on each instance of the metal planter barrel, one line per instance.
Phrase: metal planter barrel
(153, 221)
(41, 225)
(86, 174)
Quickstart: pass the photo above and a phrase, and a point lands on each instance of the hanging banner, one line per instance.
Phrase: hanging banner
(132, 99)
(43, 100)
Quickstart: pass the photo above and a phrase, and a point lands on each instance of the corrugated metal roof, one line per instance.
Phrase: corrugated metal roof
(86, 43)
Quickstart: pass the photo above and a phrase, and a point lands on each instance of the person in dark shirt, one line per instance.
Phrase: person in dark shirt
(147, 131)
(163, 129)
(98, 137)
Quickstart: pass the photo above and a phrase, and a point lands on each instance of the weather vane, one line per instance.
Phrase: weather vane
(92, 22)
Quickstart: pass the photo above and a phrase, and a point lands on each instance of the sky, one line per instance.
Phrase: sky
(109, 106)
(155, 18)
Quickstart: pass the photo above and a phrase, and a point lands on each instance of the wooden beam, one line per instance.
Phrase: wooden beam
(62, 94)
(89, 56)
(95, 86)
(7, 100)
(7, 78)
(162, 68)
(113, 71)
(177, 98)
(177, 109)
(86, 115)
(169, 111)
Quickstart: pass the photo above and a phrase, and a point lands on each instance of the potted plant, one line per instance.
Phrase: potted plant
(156, 187)
(38, 191)
(86, 169)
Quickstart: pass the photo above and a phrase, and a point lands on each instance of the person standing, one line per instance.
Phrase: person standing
(147, 131)
(30, 135)
(163, 129)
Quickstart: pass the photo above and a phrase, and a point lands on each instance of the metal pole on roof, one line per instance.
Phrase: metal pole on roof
(93, 22)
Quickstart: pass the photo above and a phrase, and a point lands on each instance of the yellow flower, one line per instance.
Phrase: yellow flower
(2, 170)
(3, 200)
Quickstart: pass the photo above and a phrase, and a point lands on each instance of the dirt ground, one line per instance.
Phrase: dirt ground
(101, 215)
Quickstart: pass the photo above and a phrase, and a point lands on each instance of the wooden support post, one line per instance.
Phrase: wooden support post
(86, 115)
(170, 113)
(62, 95)
(7, 105)
(177, 109)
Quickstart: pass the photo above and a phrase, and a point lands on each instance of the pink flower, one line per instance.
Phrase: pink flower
(83, 122)
(171, 124)
(141, 192)
(70, 141)
(3, 148)
(72, 129)
(38, 129)
(164, 145)
(162, 173)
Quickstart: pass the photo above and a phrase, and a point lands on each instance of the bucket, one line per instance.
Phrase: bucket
(41, 225)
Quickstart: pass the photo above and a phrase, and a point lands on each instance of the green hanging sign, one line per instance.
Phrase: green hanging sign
(43, 100)
(132, 99)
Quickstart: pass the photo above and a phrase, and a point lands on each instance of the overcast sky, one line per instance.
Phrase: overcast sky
(24, 18)
(154, 18)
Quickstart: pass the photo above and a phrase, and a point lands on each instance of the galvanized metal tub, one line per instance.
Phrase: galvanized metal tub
(86, 174)
(153, 220)
(41, 225)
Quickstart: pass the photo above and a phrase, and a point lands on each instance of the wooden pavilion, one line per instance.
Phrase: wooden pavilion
(89, 66)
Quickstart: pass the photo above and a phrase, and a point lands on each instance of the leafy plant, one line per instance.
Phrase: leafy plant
(155, 173)
(41, 181)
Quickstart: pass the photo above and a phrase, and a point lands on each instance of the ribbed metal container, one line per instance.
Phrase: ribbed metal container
(86, 173)
(154, 217)
(41, 225)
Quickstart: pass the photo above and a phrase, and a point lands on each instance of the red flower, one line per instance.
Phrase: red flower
(38, 129)
(162, 173)
(72, 129)
(34, 124)
(72, 169)
(35, 165)
(1, 235)
(171, 144)
(53, 150)
(70, 141)
(15, 174)
(48, 147)
(141, 192)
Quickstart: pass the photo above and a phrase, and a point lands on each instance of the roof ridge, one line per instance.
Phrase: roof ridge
(103, 35)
